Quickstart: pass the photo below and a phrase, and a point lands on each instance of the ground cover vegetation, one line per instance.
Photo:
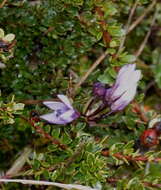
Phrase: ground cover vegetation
(80, 95)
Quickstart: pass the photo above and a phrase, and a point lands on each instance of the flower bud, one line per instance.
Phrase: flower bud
(99, 89)
(124, 89)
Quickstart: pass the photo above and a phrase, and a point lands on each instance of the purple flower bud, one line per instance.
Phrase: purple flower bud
(124, 89)
(63, 111)
(99, 89)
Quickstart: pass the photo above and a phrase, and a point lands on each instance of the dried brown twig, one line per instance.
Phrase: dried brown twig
(127, 27)
(32, 102)
(3, 3)
(141, 48)
(19, 162)
(141, 17)
(91, 69)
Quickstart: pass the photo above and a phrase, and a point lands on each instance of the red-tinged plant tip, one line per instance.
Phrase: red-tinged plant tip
(63, 111)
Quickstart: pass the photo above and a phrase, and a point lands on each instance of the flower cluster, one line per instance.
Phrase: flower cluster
(116, 97)
(123, 91)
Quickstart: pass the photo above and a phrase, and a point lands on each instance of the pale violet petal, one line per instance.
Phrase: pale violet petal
(52, 118)
(129, 94)
(127, 68)
(125, 99)
(125, 78)
(69, 115)
(65, 100)
(127, 82)
(118, 91)
(136, 76)
(75, 115)
(126, 85)
(119, 107)
(55, 105)
(131, 78)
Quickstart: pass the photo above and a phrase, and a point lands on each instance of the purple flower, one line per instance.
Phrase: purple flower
(63, 111)
(124, 89)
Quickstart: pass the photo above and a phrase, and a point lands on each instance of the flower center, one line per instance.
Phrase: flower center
(58, 112)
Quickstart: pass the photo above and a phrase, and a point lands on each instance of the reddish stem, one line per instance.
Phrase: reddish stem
(147, 184)
(130, 158)
(46, 135)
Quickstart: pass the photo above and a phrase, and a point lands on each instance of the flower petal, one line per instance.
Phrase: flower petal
(125, 80)
(136, 76)
(52, 118)
(124, 76)
(69, 115)
(65, 100)
(126, 68)
(55, 105)
(118, 107)
(125, 99)
(130, 78)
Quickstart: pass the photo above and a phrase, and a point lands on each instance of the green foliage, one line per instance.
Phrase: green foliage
(55, 43)
(8, 110)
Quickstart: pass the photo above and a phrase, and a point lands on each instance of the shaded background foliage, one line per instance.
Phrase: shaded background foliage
(57, 42)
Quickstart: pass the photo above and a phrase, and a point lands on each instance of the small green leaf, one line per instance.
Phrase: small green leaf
(99, 35)
(54, 175)
(79, 127)
(113, 44)
(55, 132)
(36, 164)
(128, 58)
(116, 31)
(18, 106)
